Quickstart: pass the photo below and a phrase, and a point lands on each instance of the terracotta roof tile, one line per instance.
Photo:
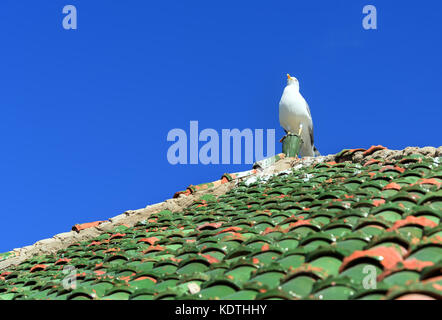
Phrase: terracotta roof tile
(79, 227)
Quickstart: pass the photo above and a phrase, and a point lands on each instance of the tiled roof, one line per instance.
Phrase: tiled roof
(310, 232)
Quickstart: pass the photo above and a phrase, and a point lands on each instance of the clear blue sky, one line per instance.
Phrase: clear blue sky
(84, 114)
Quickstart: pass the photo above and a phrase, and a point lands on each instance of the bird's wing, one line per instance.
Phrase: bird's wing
(310, 126)
(308, 109)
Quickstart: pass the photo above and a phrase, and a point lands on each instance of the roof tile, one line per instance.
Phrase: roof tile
(306, 233)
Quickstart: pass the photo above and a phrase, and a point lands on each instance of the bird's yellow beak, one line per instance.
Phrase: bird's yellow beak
(288, 76)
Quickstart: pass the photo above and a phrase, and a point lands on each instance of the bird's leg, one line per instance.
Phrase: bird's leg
(300, 130)
(286, 134)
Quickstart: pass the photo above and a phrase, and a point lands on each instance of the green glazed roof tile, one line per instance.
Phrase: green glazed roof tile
(307, 233)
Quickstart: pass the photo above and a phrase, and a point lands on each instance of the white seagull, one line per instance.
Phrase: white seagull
(295, 116)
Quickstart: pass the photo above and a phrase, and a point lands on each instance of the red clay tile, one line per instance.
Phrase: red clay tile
(38, 267)
(230, 229)
(117, 235)
(378, 202)
(432, 181)
(412, 264)
(373, 149)
(150, 240)
(87, 225)
(62, 260)
(390, 167)
(390, 257)
(371, 161)
(412, 220)
(392, 186)
(213, 225)
(210, 258)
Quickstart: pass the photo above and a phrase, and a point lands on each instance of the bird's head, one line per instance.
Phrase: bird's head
(292, 81)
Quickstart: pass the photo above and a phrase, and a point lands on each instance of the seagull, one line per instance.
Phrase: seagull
(295, 117)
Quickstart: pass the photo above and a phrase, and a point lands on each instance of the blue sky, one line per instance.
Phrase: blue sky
(84, 114)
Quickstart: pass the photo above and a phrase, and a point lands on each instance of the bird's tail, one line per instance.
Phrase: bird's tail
(316, 151)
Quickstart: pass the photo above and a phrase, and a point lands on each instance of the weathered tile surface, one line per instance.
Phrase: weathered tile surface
(318, 232)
